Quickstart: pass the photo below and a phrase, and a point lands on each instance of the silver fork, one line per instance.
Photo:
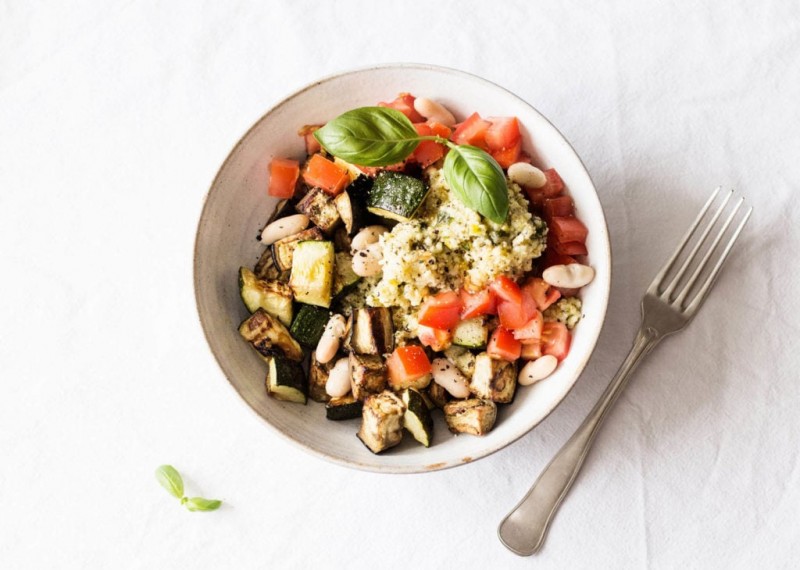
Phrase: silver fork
(669, 304)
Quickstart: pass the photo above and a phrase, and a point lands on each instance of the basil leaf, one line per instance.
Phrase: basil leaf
(369, 136)
(478, 181)
(201, 504)
(169, 478)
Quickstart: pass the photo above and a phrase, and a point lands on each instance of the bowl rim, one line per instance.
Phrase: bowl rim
(392, 469)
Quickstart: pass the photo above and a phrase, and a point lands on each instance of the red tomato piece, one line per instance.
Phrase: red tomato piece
(312, 145)
(568, 229)
(502, 345)
(472, 131)
(442, 311)
(532, 330)
(560, 207)
(506, 289)
(554, 185)
(427, 152)
(556, 340)
(408, 363)
(405, 104)
(477, 304)
(513, 315)
(551, 257)
(504, 133)
(283, 174)
(508, 156)
(542, 292)
(440, 130)
(536, 197)
(531, 350)
(323, 173)
(437, 339)
(570, 248)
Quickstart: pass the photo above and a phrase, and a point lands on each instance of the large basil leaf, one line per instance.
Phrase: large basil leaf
(478, 181)
(369, 136)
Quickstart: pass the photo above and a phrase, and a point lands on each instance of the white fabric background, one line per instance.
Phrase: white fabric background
(114, 117)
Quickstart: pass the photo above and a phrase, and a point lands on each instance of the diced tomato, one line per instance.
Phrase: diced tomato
(504, 133)
(503, 345)
(513, 315)
(437, 339)
(506, 289)
(552, 257)
(570, 248)
(374, 170)
(408, 363)
(560, 207)
(323, 173)
(427, 152)
(442, 311)
(472, 131)
(508, 156)
(556, 339)
(312, 144)
(532, 330)
(283, 174)
(542, 292)
(554, 185)
(531, 350)
(440, 130)
(405, 104)
(477, 304)
(567, 230)
(536, 197)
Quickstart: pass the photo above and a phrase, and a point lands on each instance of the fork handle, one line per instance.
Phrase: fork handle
(524, 528)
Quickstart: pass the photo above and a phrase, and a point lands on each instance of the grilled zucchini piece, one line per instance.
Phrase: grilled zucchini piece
(396, 196)
(436, 394)
(473, 416)
(269, 337)
(472, 333)
(352, 208)
(312, 273)
(318, 205)
(286, 380)
(368, 375)
(494, 379)
(417, 419)
(344, 408)
(283, 250)
(317, 378)
(372, 332)
(462, 359)
(309, 324)
(272, 296)
(344, 278)
(382, 421)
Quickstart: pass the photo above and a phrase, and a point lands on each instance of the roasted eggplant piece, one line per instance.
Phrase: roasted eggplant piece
(372, 332)
(462, 359)
(266, 269)
(494, 379)
(286, 380)
(272, 296)
(344, 408)
(382, 421)
(473, 416)
(318, 205)
(436, 394)
(283, 250)
(352, 206)
(368, 375)
(269, 337)
(417, 418)
(317, 378)
(341, 241)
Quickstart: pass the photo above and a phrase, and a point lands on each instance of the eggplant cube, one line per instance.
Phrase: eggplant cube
(318, 378)
(368, 375)
(269, 337)
(494, 379)
(473, 416)
(320, 209)
(372, 332)
(382, 421)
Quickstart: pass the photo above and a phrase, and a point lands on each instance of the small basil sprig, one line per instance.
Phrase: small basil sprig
(169, 478)
(380, 136)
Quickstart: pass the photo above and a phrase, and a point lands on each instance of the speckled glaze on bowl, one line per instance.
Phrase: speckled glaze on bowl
(237, 206)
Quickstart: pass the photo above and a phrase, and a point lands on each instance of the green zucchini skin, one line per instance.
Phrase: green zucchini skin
(344, 278)
(417, 418)
(344, 408)
(309, 324)
(472, 333)
(312, 273)
(286, 380)
(272, 296)
(396, 196)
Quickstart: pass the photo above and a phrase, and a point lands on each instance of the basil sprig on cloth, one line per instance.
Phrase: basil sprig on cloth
(169, 478)
(381, 136)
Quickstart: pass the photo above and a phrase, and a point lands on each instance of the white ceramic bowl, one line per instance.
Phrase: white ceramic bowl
(237, 206)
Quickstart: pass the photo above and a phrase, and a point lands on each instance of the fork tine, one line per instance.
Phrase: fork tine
(668, 265)
(672, 286)
(686, 288)
(703, 292)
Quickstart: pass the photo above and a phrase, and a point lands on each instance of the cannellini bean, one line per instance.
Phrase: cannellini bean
(367, 262)
(538, 369)
(284, 227)
(570, 276)
(434, 111)
(526, 175)
(367, 236)
(448, 377)
(338, 383)
(331, 339)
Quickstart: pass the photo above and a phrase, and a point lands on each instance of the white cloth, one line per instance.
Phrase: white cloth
(114, 117)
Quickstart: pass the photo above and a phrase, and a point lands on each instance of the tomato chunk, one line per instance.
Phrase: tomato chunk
(283, 174)
(323, 173)
(503, 133)
(560, 207)
(570, 248)
(312, 144)
(567, 230)
(551, 257)
(408, 363)
(556, 340)
(532, 330)
(405, 104)
(503, 345)
(506, 289)
(542, 292)
(554, 185)
(442, 311)
(513, 315)
(477, 304)
(508, 156)
(439, 129)
(472, 131)
(437, 339)
(427, 152)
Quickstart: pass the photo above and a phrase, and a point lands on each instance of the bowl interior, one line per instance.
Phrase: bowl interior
(237, 206)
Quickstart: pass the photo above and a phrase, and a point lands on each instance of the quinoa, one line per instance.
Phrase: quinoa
(566, 311)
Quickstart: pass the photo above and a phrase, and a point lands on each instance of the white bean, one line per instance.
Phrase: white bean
(526, 175)
(284, 227)
(338, 383)
(367, 236)
(448, 377)
(331, 339)
(367, 262)
(571, 276)
(538, 369)
(434, 111)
